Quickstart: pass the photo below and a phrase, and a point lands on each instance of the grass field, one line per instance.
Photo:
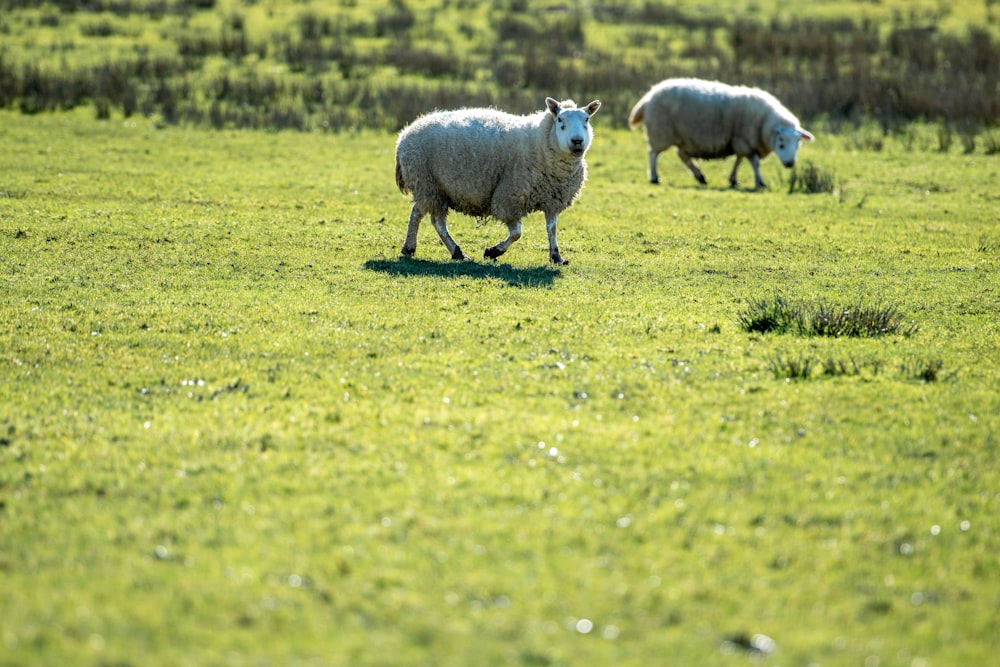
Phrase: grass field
(237, 428)
(349, 65)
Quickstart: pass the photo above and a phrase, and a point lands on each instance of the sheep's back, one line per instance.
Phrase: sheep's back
(704, 119)
(696, 121)
(460, 157)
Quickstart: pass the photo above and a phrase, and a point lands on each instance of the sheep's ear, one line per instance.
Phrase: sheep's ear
(805, 135)
(592, 108)
(553, 106)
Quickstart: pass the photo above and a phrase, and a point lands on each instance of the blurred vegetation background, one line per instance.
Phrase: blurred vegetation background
(340, 65)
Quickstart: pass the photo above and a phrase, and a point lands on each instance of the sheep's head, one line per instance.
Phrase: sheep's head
(785, 143)
(572, 125)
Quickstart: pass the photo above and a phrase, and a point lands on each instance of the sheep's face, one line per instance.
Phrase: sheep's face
(572, 126)
(785, 143)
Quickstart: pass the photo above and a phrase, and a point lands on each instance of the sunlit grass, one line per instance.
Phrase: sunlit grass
(780, 315)
(238, 427)
(347, 65)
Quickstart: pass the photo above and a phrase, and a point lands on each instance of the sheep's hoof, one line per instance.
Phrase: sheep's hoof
(557, 259)
(654, 181)
(458, 255)
(701, 179)
(492, 253)
(408, 252)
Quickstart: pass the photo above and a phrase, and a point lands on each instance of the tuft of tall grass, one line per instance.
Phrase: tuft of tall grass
(858, 321)
(769, 315)
(812, 179)
(778, 315)
(790, 368)
(991, 143)
(969, 142)
(987, 244)
(838, 367)
(924, 370)
(945, 137)
(804, 367)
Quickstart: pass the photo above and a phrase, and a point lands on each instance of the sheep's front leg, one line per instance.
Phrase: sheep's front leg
(513, 234)
(410, 244)
(692, 167)
(550, 228)
(439, 220)
(755, 163)
(733, 182)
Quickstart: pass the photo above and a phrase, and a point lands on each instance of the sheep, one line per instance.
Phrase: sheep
(485, 162)
(709, 119)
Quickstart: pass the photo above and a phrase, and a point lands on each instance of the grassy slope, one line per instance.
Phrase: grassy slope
(237, 428)
(312, 64)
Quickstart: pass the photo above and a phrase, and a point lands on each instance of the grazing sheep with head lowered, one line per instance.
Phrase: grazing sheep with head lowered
(708, 119)
(484, 162)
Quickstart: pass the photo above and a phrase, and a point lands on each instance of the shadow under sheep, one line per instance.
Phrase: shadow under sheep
(542, 276)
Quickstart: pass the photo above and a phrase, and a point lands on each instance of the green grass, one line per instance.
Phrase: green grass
(340, 66)
(237, 428)
(824, 319)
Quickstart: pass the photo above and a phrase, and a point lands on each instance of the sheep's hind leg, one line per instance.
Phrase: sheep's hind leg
(550, 228)
(513, 234)
(654, 177)
(689, 163)
(410, 244)
(440, 222)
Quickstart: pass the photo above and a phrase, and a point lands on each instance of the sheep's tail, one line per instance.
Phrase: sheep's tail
(400, 183)
(638, 113)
